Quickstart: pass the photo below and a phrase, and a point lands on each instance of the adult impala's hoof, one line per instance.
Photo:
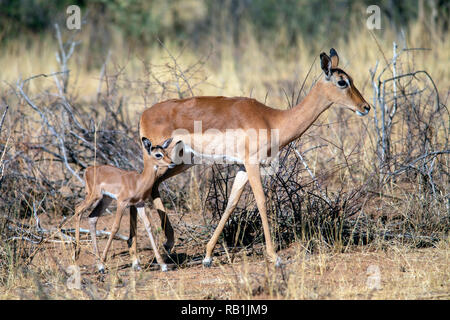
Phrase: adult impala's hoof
(207, 262)
(164, 268)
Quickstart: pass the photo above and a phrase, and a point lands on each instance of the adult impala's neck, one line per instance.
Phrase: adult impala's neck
(294, 122)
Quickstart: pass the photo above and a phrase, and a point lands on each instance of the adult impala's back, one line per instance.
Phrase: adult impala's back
(243, 131)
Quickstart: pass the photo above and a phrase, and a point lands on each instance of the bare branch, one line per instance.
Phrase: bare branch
(52, 129)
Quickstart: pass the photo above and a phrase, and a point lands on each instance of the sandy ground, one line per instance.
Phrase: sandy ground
(393, 272)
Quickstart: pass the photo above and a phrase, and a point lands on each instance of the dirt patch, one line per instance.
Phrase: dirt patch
(358, 272)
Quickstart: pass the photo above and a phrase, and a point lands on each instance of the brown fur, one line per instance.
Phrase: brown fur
(131, 190)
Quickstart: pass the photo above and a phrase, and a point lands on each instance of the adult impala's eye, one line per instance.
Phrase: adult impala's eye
(342, 83)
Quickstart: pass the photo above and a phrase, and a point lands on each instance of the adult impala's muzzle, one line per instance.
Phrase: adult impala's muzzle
(172, 165)
(366, 110)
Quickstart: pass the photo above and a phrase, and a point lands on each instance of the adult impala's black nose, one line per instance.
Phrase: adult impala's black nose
(366, 108)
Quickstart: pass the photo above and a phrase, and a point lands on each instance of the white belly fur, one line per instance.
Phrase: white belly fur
(109, 194)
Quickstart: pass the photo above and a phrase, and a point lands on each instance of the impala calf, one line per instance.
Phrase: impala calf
(130, 189)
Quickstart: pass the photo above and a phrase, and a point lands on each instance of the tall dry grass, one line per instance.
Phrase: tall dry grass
(262, 70)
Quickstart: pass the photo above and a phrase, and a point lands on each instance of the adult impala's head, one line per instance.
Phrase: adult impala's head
(339, 85)
(158, 153)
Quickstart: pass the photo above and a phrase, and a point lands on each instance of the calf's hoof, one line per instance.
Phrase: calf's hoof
(136, 266)
(101, 269)
(76, 254)
(278, 262)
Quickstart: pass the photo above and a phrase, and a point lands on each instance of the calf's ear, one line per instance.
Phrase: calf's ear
(166, 143)
(147, 145)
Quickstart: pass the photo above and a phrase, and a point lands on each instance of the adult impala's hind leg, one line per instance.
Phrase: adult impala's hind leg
(236, 191)
(157, 203)
(165, 223)
(159, 259)
(132, 240)
(254, 177)
(93, 218)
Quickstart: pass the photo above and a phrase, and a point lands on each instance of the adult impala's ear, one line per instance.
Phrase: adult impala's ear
(334, 58)
(166, 143)
(325, 64)
(147, 145)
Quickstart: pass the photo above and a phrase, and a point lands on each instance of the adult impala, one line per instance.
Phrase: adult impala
(208, 120)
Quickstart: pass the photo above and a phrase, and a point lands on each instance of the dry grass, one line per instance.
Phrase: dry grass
(263, 70)
(404, 273)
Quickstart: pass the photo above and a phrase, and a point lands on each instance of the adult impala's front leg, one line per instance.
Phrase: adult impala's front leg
(254, 177)
(236, 191)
